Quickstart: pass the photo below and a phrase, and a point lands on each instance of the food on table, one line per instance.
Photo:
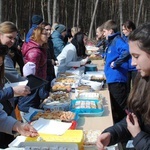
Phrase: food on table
(61, 115)
(95, 57)
(61, 87)
(65, 80)
(90, 136)
(98, 78)
(58, 96)
(85, 104)
(83, 87)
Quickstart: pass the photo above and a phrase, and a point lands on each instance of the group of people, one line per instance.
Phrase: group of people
(127, 59)
(44, 50)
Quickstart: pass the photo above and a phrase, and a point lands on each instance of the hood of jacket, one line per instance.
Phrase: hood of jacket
(56, 34)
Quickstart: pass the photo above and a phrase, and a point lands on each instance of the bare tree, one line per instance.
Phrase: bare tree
(121, 16)
(92, 21)
(54, 10)
(42, 9)
(74, 12)
(48, 10)
(78, 13)
(1, 4)
(16, 14)
(139, 12)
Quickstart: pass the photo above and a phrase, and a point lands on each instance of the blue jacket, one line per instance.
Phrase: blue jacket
(130, 67)
(115, 49)
(58, 42)
(30, 32)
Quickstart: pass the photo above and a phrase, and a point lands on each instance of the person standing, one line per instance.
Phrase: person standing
(127, 28)
(36, 21)
(58, 36)
(136, 125)
(116, 72)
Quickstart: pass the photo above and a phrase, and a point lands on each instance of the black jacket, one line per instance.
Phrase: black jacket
(120, 133)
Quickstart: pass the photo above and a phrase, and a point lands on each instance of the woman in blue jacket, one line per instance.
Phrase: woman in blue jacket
(137, 123)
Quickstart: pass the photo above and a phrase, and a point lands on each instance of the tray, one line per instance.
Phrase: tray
(98, 111)
(35, 82)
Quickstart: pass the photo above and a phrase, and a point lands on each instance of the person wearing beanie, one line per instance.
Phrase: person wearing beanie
(36, 21)
(58, 38)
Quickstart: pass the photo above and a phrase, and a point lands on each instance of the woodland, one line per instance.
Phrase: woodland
(88, 14)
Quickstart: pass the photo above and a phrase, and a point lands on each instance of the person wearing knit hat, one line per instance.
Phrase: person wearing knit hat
(29, 68)
(36, 21)
(58, 38)
(60, 28)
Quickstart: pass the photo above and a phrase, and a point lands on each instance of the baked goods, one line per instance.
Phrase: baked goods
(98, 78)
(83, 87)
(85, 104)
(61, 87)
(61, 115)
(66, 80)
(90, 136)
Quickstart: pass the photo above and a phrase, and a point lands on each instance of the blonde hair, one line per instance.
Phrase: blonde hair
(8, 27)
(75, 30)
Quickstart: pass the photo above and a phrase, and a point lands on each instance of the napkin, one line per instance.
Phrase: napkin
(51, 126)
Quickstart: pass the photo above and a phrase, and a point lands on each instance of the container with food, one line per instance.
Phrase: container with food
(87, 107)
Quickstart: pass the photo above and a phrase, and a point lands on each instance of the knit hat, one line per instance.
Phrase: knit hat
(36, 19)
(60, 28)
(29, 68)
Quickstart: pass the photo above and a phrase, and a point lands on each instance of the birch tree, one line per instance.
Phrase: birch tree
(54, 10)
(42, 9)
(139, 12)
(78, 13)
(74, 12)
(121, 16)
(48, 10)
(93, 16)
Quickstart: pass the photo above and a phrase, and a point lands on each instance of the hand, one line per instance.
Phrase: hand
(112, 65)
(134, 129)
(103, 140)
(25, 129)
(21, 90)
(84, 61)
(53, 62)
(56, 63)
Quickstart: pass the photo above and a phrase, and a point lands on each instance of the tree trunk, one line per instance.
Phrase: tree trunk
(78, 13)
(92, 21)
(1, 4)
(48, 11)
(74, 12)
(54, 10)
(42, 9)
(139, 12)
(121, 16)
(16, 14)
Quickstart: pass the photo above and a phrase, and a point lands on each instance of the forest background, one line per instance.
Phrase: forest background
(88, 14)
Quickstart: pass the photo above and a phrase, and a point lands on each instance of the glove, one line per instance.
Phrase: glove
(84, 61)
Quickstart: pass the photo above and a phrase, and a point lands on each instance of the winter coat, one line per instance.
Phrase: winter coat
(33, 52)
(68, 58)
(58, 42)
(115, 49)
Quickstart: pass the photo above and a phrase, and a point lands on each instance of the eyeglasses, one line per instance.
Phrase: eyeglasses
(3, 49)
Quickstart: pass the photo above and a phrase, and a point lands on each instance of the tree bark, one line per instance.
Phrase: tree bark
(139, 12)
(121, 16)
(48, 11)
(92, 21)
(54, 10)
(74, 12)
(42, 9)
(78, 13)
